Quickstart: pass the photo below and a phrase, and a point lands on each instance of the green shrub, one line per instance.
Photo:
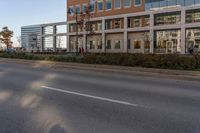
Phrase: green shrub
(171, 61)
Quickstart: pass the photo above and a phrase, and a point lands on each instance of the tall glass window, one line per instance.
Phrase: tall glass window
(139, 21)
(71, 11)
(78, 9)
(127, 3)
(192, 40)
(48, 30)
(172, 3)
(193, 16)
(108, 4)
(48, 43)
(117, 4)
(61, 42)
(189, 2)
(148, 5)
(168, 41)
(155, 4)
(100, 5)
(170, 18)
(197, 1)
(138, 2)
(61, 29)
(92, 6)
(181, 2)
(84, 8)
(163, 3)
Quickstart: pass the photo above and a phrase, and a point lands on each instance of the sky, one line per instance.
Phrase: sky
(17, 13)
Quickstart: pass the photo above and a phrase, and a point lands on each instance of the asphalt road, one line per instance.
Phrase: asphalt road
(46, 100)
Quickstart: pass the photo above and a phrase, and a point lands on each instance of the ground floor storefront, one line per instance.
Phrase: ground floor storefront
(163, 42)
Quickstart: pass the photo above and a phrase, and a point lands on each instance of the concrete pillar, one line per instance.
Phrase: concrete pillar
(84, 41)
(41, 39)
(103, 36)
(68, 39)
(54, 37)
(103, 42)
(125, 48)
(151, 33)
(68, 44)
(183, 32)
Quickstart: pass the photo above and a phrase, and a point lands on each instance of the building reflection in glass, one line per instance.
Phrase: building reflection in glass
(168, 41)
(192, 40)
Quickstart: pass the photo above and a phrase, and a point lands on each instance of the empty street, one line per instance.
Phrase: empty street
(39, 99)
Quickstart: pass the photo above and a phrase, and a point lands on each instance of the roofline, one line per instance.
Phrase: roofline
(45, 24)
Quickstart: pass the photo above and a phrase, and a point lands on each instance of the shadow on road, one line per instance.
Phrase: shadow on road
(57, 129)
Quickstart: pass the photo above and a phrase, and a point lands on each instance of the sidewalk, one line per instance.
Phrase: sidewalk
(178, 74)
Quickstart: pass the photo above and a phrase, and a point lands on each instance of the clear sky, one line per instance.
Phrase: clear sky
(17, 13)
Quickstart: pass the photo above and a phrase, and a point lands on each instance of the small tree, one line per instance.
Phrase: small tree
(86, 23)
(5, 37)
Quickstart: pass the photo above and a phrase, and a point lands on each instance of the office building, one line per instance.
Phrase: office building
(44, 37)
(136, 26)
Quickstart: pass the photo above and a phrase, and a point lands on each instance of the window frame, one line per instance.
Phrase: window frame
(100, 1)
(137, 5)
(106, 5)
(79, 6)
(130, 4)
(72, 13)
(115, 4)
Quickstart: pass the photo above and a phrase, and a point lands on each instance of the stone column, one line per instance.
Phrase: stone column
(183, 32)
(54, 37)
(103, 42)
(103, 36)
(41, 39)
(151, 33)
(125, 48)
(84, 41)
(68, 43)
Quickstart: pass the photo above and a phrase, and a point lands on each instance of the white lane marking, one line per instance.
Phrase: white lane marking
(91, 96)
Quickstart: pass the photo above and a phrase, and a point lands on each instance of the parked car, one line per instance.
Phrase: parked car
(10, 50)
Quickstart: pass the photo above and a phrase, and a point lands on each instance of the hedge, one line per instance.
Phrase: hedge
(170, 61)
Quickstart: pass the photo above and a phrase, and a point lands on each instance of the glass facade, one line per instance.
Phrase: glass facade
(168, 41)
(61, 29)
(73, 45)
(117, 44)
(192, 40)
(193, 16)
(61, 42)
(48, 30)
(167, 18)
(139, 42)
(139, 21)
(159, 4)
(72, 28)
(108, 44)
(26, 31)
(48, 43)
(115, 24)
(96, 25)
